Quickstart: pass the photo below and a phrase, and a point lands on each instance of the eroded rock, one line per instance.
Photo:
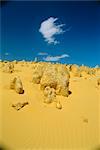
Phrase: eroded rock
(49, 94)
(19, 105)
(53, 80)
(74, 70)
(16, 84)
(8, 67)
(37, 73)
(58, 105)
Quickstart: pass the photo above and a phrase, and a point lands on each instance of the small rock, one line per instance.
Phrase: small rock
(85, 120)
(58, 105)
(98, 81)
(19, 105)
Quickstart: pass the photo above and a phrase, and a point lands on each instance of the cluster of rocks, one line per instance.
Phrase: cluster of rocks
(53, 80)
(81, 71)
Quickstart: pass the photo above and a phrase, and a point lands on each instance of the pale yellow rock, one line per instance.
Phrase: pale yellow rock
(19, 105)
(8, 67)
(19, 86)
(58, 105)
(2, 64)
(84, 68)
(57, 77)
(48, 78)
(84, 74)
(75, 71)
(12, 83)
(63, 76)
(16, 84)
(49, 94)
(37, 73)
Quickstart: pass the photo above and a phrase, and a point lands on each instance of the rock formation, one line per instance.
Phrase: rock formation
(16, 84)
(8, 67)
(53, 80)
(37, 73)
(58, 105)
(49, 94)
(19, 105)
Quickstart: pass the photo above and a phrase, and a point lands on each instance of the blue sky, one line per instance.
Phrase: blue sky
(72, 35)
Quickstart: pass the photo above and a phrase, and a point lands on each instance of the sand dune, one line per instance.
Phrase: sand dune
(41, 125)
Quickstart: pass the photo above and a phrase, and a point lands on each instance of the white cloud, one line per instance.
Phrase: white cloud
(42, 53)
(49, 29)
(55, 58)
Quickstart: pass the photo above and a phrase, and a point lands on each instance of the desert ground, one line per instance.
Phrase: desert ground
(68, 119)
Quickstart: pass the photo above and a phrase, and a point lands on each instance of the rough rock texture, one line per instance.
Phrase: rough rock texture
(17, 85)
(8, 67)
(19, 105)
(49, 94)
(12, 83)
(86, 71)
(49, 77)
(84, 68)
(63, 76)
(52, 77)
(58, 105)
(97, 71)
(37, 73)
(75, 71)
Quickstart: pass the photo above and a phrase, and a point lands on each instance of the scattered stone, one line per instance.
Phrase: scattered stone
(58, 105)
(85, 120)
(19, 105)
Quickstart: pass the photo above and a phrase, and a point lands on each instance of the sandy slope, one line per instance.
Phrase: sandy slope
(42, 126)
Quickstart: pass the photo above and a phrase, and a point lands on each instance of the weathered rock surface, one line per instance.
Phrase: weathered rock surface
(58, 105)
(16, 84)
(37, 73)
(19, 105)
(53, 80)
(74, 70)
(49, 94)
(8, 67)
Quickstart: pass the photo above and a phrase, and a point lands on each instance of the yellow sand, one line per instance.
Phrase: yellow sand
(43, 126)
